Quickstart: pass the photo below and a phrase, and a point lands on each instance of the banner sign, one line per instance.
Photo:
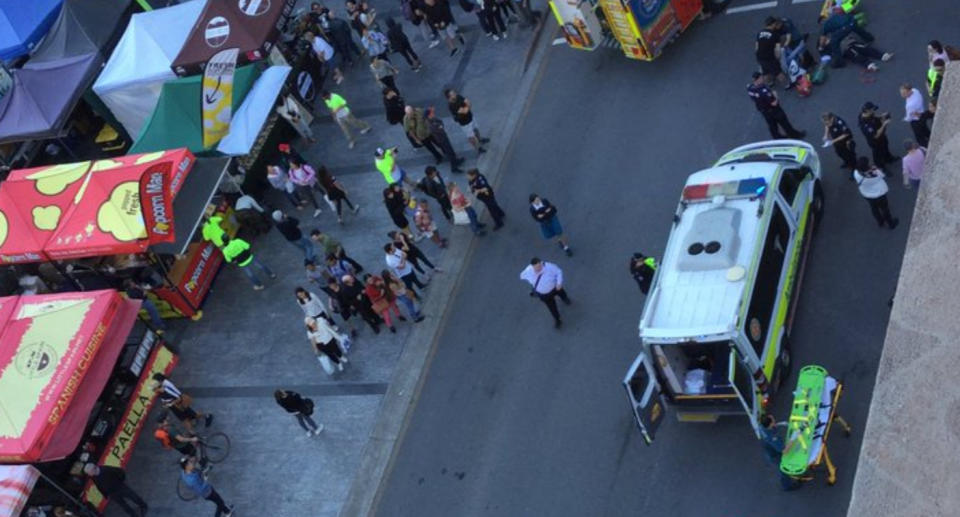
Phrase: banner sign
(120, 447)
(156, 201)
(624, 28)
(217, 96)
(578, 21)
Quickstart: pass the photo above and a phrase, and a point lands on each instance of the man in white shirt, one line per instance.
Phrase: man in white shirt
(325, 54)
(915, 113)
(546, 279)
(397, 261)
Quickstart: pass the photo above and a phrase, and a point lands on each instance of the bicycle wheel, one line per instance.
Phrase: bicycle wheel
(184, 492)
(216, 447)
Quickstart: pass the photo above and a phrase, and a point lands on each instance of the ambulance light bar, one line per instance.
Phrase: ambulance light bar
(748, 187)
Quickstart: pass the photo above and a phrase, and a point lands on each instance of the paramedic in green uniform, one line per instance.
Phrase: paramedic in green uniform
(238, 250)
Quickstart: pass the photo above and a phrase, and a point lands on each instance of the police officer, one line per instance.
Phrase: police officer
(837, 133)
(769, 106)
(643, 268)
(874, 128)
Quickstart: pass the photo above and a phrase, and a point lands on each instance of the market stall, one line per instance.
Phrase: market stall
(23, 24)
(75, 387)
(83, 26)
(251, 27)
(129, 217)
(32, 202)
(177, 120)
(251, 117)
(130, 83)
(43, 95)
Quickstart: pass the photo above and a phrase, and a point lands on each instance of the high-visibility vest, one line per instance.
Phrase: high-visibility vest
(932, 76)
(849, 5)
(213, 232)
(385, 165)
(650, 262)
(238, 249)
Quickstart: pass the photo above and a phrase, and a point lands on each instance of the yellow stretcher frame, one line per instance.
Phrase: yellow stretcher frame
(824, 456)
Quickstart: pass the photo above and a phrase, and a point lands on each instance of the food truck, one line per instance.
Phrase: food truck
(74, 388)
(716, 325)
(642, 28)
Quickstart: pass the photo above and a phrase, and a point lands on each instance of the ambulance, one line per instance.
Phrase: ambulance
(715, 329)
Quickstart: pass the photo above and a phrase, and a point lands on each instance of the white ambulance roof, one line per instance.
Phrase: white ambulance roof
(693, 296)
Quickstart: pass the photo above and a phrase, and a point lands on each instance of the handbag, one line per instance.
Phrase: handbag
(307, 407)
(345, 342)
(326, 364)
(460, 217)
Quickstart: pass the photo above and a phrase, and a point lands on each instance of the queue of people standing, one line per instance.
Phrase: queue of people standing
(781, 48)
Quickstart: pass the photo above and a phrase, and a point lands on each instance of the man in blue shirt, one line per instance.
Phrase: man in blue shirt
(192, 477)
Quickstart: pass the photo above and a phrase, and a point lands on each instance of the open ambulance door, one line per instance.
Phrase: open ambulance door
(645, 397)
(742, 383)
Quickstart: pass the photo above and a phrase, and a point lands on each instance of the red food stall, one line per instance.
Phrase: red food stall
(116, 209)
(68, 366)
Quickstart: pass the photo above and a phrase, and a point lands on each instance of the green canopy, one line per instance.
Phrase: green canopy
(177, 122)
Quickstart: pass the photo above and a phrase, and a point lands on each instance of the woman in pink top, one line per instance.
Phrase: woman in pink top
(913, 164)
(305, 179)
(424, 222)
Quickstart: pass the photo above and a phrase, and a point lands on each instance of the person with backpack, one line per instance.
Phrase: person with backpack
(300, 407)
(873, 187)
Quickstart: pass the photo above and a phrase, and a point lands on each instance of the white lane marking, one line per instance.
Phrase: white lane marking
(804, 1)
(751, 7)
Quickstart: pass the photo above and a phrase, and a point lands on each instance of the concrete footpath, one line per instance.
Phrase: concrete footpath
(250, 343)
(910, 443)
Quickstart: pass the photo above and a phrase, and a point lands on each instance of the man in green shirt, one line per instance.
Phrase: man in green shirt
(238, 250)
(332, 246)
(342, 116)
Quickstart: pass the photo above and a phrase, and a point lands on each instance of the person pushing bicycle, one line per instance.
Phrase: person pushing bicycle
(171, 438)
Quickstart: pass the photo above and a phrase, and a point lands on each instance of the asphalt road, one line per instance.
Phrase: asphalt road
(516, 418)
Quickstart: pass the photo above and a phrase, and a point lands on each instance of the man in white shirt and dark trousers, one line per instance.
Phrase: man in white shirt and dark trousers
(546, 279)
(397, 261)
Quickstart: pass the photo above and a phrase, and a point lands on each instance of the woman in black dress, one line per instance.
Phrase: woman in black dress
(336, 192)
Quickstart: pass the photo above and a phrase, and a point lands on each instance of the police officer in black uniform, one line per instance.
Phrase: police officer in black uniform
(769, 106)
(838, 134)
(874, 128)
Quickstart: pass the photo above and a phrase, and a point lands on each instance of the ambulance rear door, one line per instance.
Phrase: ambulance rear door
(646, 399)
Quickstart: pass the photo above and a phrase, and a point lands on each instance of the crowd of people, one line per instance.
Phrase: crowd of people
(783, 56)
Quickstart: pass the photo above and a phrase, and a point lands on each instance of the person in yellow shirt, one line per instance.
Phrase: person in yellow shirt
(342, 116)
(238, 250)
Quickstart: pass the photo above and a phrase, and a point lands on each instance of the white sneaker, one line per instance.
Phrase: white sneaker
(309, 434)
(344, 359)
(317, 212)
(365, 130)
(887, 56)
(318, 430)
(496, 38)
(434, 43)
(872, 67)
(340, 366)
(356, 208)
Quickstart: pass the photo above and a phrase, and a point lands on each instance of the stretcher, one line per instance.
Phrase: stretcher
(812, 416)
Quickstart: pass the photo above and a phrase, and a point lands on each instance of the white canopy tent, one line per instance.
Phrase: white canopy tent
(252, 114)
(131, 81)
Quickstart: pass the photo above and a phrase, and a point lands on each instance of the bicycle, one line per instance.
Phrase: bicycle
(212, 449)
